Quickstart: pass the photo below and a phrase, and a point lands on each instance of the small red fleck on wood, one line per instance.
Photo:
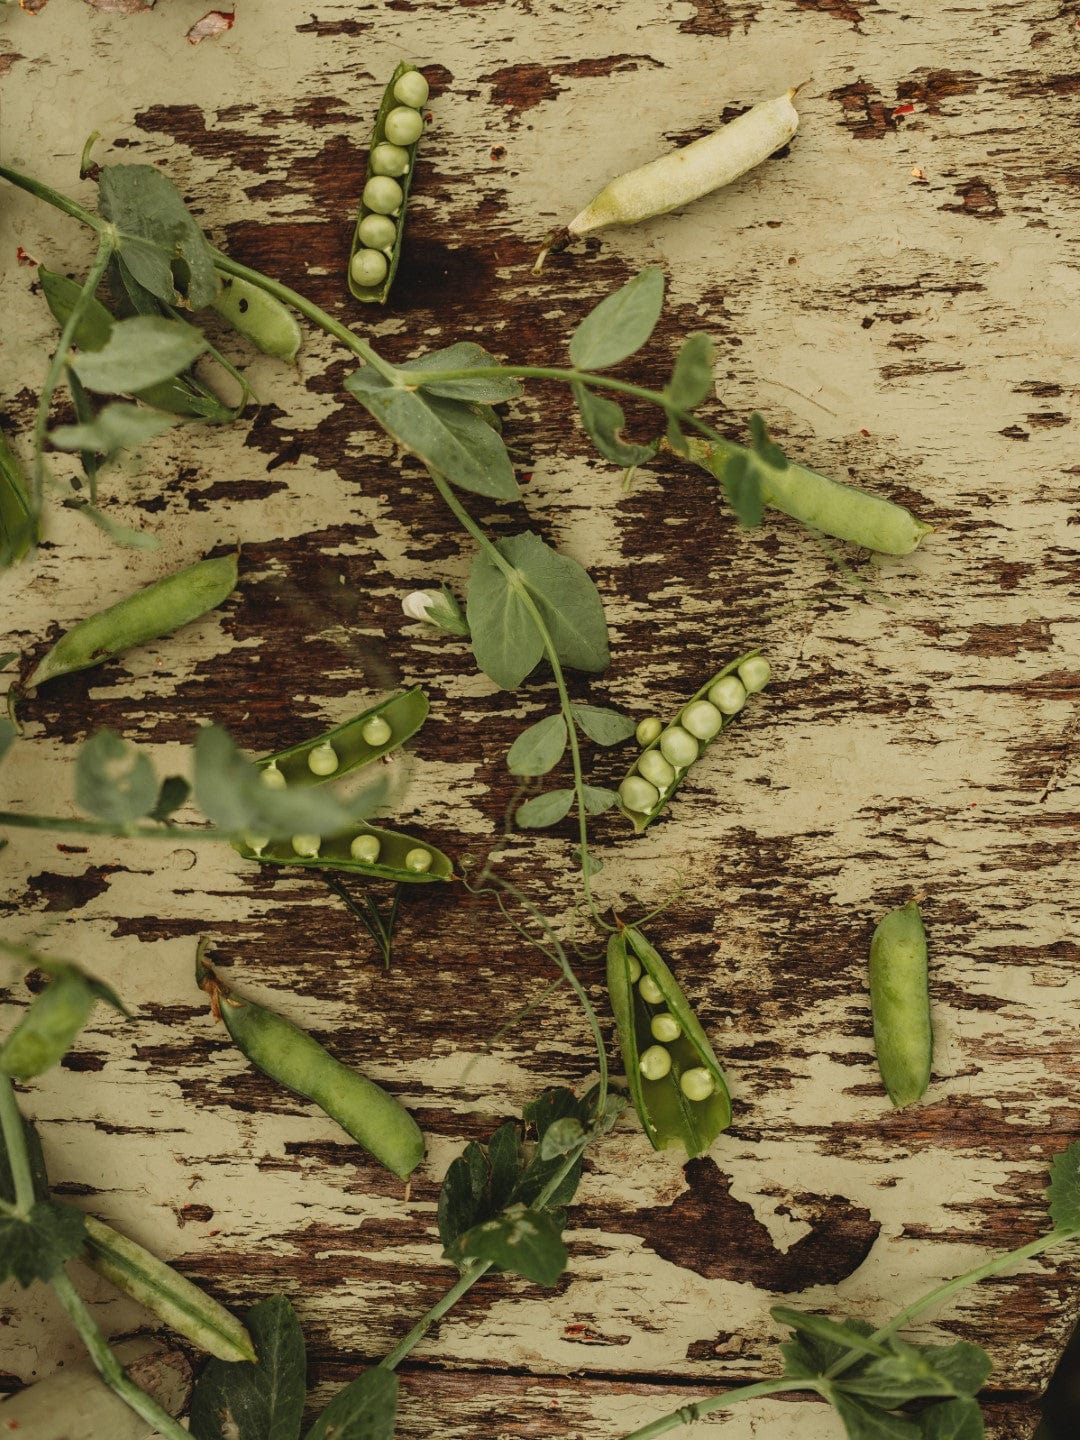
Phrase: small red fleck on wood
(907, 109)
(24, 257)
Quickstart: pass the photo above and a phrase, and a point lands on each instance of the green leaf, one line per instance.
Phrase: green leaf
(954, 1420)
(597, 799)
(763, 446)
(603, 420)
(742, 486)
(160, 243)
(1064, 1191)
(114, 780)
(505, 639)
(481, 390)
(84, 415)
(48, 1026)
(464, 1193)
(965, 1366)
(116, 427)
(506, 1165)
(230, 792)
(605, 727)
(38, 1245)
(38, 1174)
(446, 434)
(544, 810)
(364, 1410)
(61, 295)
(817, 1347)
(864, 1421)
(560, 1137)
(568, 601)
(524, 1241)
(18, 528)
(620, 324)
(174, 791)
(141, 352)
(239, 1401)
(840, 1335)
(692, 378)
(539, 748)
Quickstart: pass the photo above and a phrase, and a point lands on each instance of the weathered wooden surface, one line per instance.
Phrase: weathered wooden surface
(897, 292)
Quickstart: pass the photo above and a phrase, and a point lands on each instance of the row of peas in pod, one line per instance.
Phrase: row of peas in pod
(669, 750)
(364, 849)
(380, 224)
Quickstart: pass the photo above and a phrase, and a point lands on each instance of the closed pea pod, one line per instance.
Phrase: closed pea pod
(675, 1080)
(259, 317)
(157, 610)
(671, 749)
(900, 1004)
(292, 1057)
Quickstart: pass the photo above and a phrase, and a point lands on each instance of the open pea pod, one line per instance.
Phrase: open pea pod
(380, 221)
(392, 856)
(357, 742)
(663, 764)
(687, 1103)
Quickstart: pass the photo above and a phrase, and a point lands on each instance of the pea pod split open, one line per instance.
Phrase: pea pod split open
(292, 1057)
(676, 1083)
(366, 737)
(364, 850)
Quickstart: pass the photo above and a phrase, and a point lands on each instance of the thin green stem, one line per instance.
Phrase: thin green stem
(688, 1414)
(106, 246)
(109, 1368)
(52, 197)
(72, 826)
(11, 1127)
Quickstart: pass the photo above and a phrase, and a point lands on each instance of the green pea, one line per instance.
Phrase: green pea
(287, 1054)
(272, 777)
(383, 195)
(376, 731)
(411, 89)
(697, 1083)
(418, 860)
(368, 268)
(257, 843)
(49, 1025)
(307, 845)
(377, 232)
(678, 746)
(656, 770)
(728, 695)
(655, 1062)
(650, 991)
(633, 967)
(755, 673)
(259, 317)
(900, 1004)
(702, 720)
(387, 159)
(638, 794)
(322, 761)
(157, 610)
(365, 848)
(665, 1027)
(649, 730)
(403, 126)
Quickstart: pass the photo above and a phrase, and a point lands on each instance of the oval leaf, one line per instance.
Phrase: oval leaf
(140, 352)
(160, 243)
(605, 727)
(114, 428)
(620, 324)
(544, 810)
(692, 378)
(505, 640)
(603, 420)
(539, 748)
(113, 780)
(466, 355)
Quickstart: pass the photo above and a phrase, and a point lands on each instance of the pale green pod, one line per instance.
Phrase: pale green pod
(900, 1004)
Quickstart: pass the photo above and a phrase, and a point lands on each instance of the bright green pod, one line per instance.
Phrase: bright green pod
(48, 1026)
(292, 1057)
(900, 1003)
(668, 1115)
(348, 852)
(18, 528)
(259, 317)
(366, 737)
(367, 282)
(165, 1293)
(157, 610)
(664, 763)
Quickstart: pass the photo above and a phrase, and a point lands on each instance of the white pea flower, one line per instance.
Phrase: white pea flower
(438, 608)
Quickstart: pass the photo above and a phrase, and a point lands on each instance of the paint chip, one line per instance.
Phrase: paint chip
(212, 24)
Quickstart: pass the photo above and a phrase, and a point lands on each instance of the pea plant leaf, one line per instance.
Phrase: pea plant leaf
(544, 810)
(365, 1410)
(38, 1174)
(620, 324)
(763, 446)
(174, 791)
(505, 639)
(598, 799)
(114, 780)
(445, 434)
(742, 486)
(61, 295)
(965, 1366)
(864, 1421)
(896, 1378)
(18, 528)
(159, 241)
(539, 748)
(140, 352)
(603, 420)
(37, 1245)
(560, 1138)
(115, 427)
(959, 1419)
(603, 726)
(465, 355)
(1064, 1191)
(692, 378)
(524, 1241)
(818, 1343)
(235, 1400)
(568, 601)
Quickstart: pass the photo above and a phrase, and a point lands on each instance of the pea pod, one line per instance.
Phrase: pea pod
(18, 528)
(670, 750)
(259, 317)
(900, 1002)
(396, 857)
(289, 1055)
(366, 737)
(49, 1025)
(380, 222)
(165, 1293)
(181, 395)
(157, 610)
(676, 1084)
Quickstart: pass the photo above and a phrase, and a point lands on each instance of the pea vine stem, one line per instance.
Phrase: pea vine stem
(11, 1128)
(698, 1409)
